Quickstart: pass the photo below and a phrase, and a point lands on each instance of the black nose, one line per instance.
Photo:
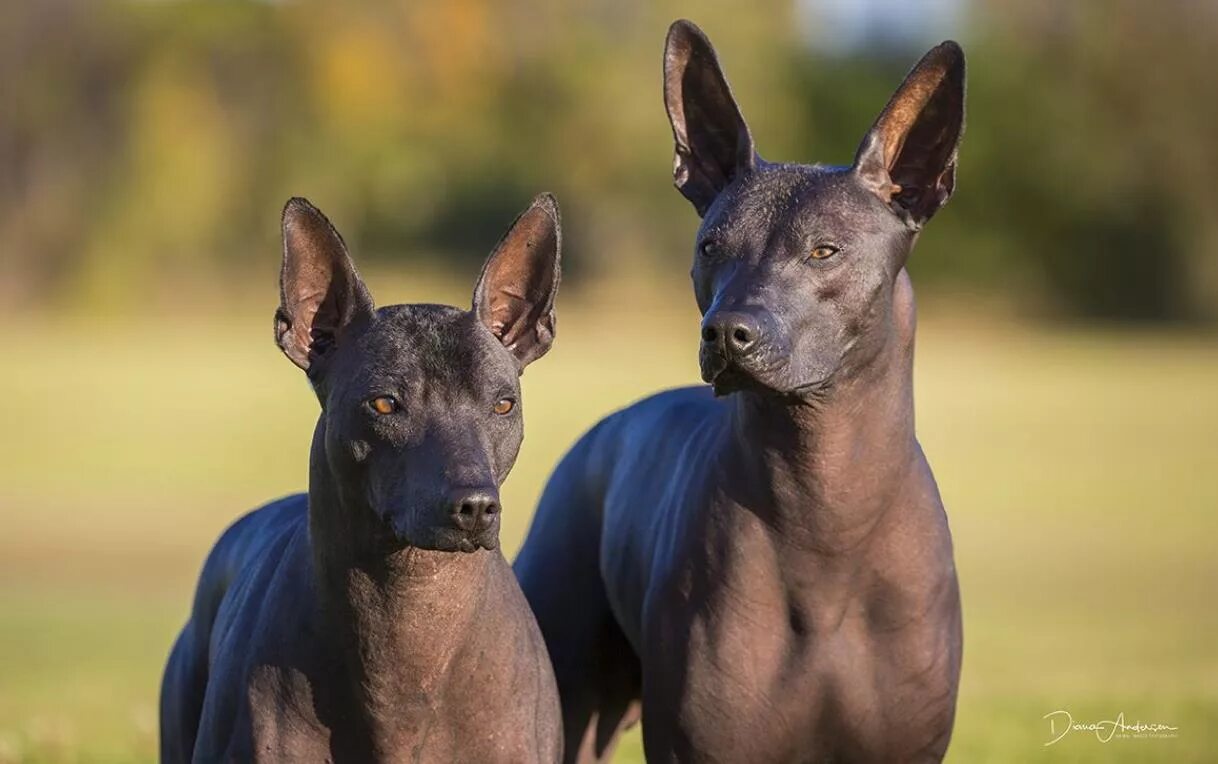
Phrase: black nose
(735, 333)
(474, 511)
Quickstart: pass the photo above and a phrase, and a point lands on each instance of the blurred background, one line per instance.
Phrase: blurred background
(1067, 377)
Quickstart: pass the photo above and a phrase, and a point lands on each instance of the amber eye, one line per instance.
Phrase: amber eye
(384, 405)
(823, 251)
(504, 406)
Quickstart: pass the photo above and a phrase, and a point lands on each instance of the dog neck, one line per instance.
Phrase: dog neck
(833, 465)
(394, 615)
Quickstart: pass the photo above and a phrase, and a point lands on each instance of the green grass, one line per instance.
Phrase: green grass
(1079, 471)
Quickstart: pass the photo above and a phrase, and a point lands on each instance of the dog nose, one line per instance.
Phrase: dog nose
(736, 333)
(474, 511)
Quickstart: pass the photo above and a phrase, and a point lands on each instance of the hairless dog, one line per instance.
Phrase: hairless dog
(765, 563)
(375, 619)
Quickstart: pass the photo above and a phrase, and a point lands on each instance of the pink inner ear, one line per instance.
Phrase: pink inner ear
(713, 142)
(518, 279)
(899, 120)
(509, 303)
(908, 156)
(321, 292)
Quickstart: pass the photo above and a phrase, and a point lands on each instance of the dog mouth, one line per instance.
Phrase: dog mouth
(444, 539)
(733, 378)
(474, 542)
(730, 375)
(465, 542)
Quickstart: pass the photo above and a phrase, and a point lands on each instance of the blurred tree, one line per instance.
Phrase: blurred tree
(152, 143)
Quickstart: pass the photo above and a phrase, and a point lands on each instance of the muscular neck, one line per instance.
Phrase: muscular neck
(833, 465)
(393, 615)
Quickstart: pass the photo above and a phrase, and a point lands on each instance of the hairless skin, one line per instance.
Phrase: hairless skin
(375, 618)
(763, 566)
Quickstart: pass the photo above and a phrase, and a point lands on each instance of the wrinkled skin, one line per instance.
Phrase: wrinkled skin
(763, 568)
(751, 261)
(375, 619)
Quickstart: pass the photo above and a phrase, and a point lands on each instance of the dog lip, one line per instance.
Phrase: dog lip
(743, 367)
(812, 389)
(732, 378)
(712, 366)
(470, 544)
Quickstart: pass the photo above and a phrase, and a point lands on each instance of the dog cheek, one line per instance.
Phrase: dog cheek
(811, 360)
(505, 454)
(359, 451)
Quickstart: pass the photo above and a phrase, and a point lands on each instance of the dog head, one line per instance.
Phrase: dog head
(795, 265)
(421, 411)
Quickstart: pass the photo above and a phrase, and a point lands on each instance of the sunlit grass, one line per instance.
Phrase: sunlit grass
(1078, 469)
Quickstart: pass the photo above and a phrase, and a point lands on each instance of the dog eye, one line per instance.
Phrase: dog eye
(822, 251)
(504, 406)
(386, 404)
(709, 249)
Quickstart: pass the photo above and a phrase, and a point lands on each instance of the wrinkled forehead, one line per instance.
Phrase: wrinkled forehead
(433, 346)
(786, 197)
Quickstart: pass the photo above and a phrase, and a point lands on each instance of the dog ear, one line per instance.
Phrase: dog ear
(514, 296)
(713, 143)
(321, 296)
(908, 157)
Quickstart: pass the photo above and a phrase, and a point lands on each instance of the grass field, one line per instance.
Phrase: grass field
(1080, 471)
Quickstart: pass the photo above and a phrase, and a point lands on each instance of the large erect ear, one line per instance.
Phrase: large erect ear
(713, 143)
(515, 293)
(321, 296)
(909, 155)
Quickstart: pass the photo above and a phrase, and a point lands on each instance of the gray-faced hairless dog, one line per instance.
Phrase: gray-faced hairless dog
(375, 618)
(766, 563)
